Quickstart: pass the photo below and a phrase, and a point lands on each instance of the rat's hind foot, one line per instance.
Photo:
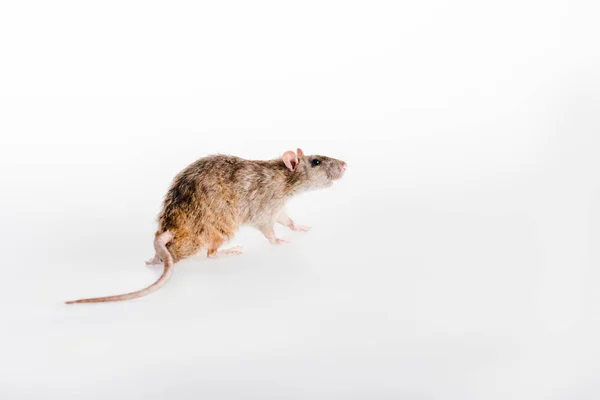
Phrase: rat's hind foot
(154, 261)
(236, 250)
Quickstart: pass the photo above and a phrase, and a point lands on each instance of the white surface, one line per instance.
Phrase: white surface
(458, 258)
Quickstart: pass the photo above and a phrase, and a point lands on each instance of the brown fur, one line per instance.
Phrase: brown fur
(211, 198)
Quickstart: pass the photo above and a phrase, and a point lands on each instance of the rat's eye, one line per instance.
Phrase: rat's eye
(315, 162)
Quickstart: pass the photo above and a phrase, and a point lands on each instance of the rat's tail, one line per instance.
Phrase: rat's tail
(161, 249)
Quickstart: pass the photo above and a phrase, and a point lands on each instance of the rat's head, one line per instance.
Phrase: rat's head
(313, 172)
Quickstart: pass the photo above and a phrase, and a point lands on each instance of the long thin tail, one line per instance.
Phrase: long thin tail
(161, 249)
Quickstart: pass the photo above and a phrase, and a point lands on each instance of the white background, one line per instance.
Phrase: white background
(458, 258)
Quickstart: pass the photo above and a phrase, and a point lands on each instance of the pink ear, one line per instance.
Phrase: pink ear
(300, 153)
(290, 160)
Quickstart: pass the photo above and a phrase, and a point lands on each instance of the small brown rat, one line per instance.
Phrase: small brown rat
(211, 198)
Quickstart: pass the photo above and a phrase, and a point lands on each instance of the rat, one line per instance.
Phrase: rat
(213, 197)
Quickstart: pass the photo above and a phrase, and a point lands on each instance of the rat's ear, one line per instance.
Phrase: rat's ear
(300, 153)
(290, 160)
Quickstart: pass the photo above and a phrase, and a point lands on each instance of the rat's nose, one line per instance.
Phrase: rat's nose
(344, 165)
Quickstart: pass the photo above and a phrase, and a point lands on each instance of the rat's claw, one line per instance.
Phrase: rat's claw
(281, 241)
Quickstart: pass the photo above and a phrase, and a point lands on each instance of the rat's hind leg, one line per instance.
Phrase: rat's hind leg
(269, 232)
(214, 252)
(217, 231)
(285, 220)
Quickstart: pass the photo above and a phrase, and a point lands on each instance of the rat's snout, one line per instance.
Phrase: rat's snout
(343, 166)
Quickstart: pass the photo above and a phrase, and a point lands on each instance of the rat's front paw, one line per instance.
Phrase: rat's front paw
(300, 228)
